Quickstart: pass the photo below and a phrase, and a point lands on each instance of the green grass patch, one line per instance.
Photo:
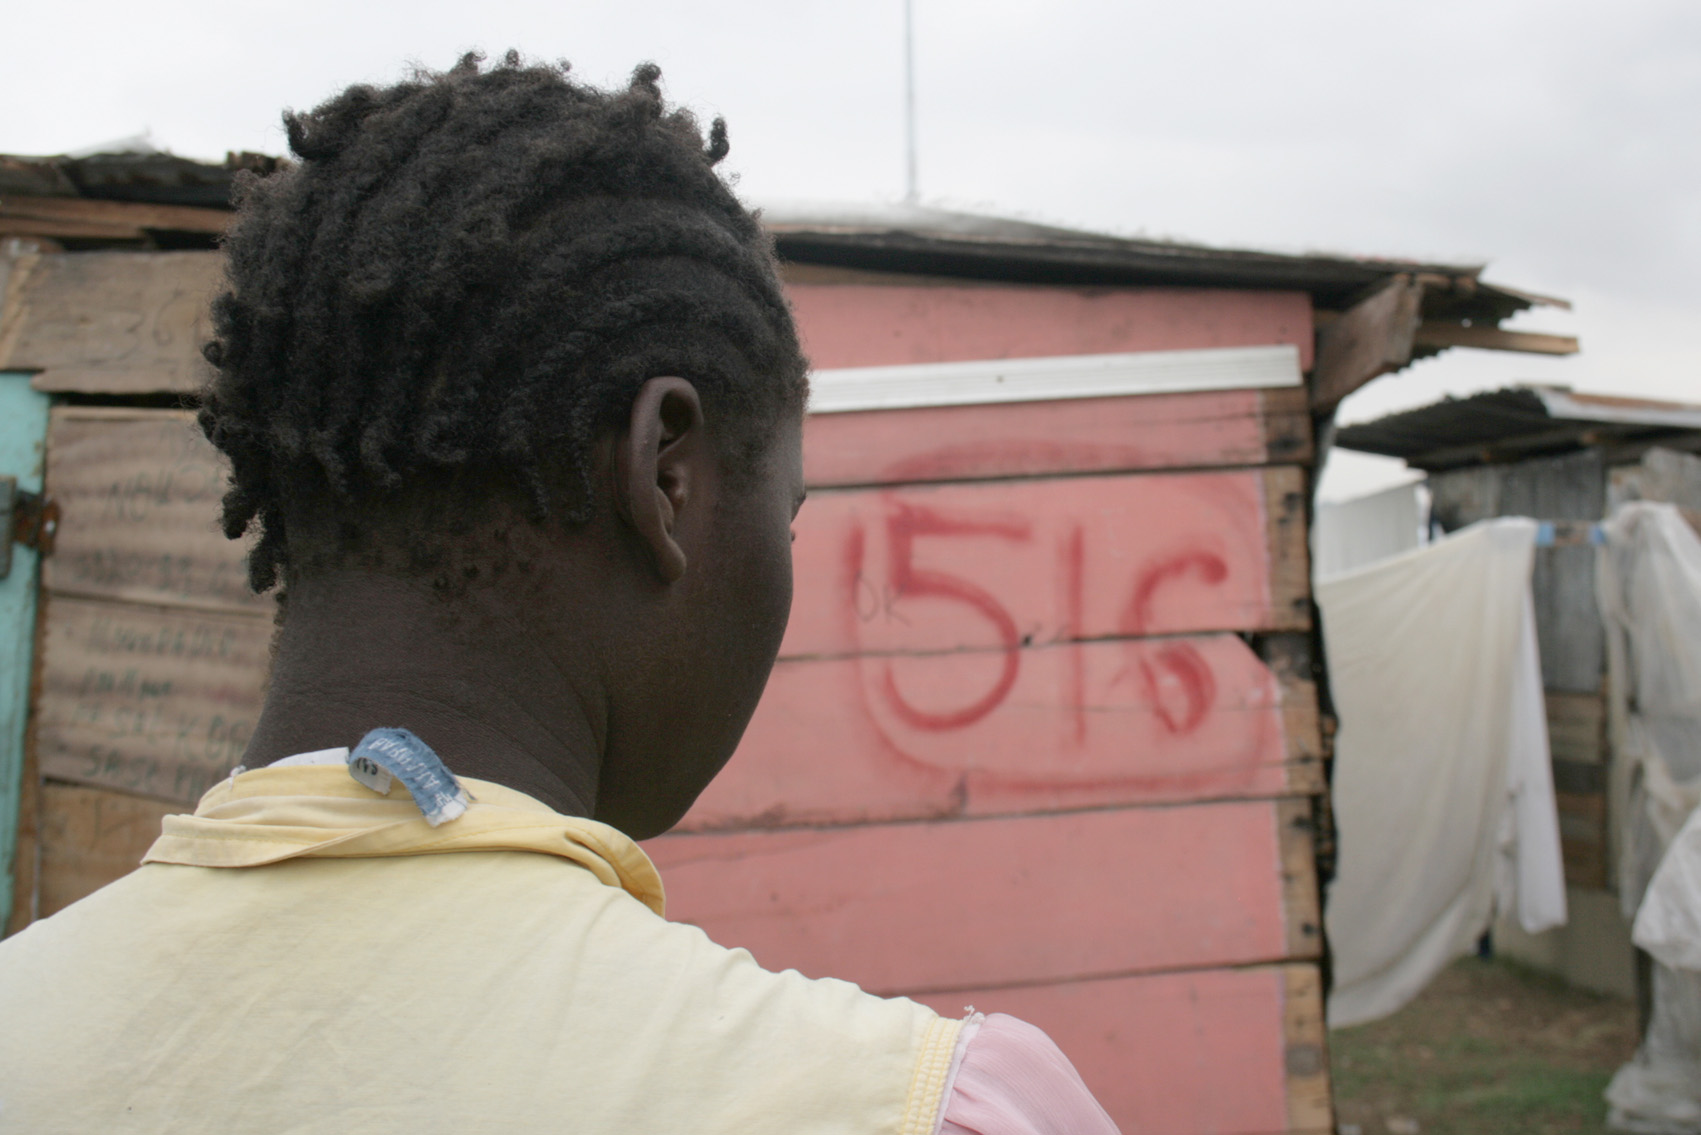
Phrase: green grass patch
(1488, 1048)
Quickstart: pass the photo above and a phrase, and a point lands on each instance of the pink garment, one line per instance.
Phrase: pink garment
(1008, 1078)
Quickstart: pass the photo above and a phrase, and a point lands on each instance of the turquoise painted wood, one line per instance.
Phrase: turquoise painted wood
(23, 438)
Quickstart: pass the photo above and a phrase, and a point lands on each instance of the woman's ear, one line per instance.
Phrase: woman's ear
(658, 468)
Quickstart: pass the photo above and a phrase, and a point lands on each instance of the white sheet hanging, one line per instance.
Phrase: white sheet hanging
(1649, 579)
(1442, 789)
(1531, 882)
(1669, 924)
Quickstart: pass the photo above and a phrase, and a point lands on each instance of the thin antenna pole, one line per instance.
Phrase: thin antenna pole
(911, 193)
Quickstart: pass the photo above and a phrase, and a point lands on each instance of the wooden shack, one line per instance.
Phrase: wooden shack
(1047, 732)
(1557, 455)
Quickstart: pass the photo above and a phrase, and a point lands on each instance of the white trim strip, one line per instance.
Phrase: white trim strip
(1049, 379)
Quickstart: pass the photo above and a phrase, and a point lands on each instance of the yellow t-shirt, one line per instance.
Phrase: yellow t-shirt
(304, 955)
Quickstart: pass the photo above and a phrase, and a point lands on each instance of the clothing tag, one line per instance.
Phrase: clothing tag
(384, 753)
(371, 774)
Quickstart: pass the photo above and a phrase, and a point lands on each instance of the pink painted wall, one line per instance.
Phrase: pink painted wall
(1003, 564)
(1012, 753)
(904, 908)
(1091, 725)
(981, 648)
(1198, 1052)
(857, 325)
(1086, 435)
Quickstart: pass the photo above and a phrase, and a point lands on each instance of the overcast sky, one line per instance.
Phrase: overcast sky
(1556, 141)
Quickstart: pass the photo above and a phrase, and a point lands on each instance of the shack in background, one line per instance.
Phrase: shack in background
(1569, 458)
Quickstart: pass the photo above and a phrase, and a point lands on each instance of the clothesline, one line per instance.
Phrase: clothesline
(1567, 533)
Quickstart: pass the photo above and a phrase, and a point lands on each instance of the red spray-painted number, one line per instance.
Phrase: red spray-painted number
(1166, 664)
(1177, 680)
(904, 526)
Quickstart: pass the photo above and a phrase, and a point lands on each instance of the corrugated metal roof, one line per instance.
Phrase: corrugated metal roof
(906, 239)
(1517, 422)
(153, 177)
(909, 238)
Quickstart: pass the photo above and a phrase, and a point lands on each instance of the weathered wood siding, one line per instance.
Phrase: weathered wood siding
(1043, 737)
(154, 652)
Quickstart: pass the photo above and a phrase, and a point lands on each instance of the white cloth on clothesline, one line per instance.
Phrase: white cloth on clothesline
(1649, 581)
(1442, 790)
(1668, 925)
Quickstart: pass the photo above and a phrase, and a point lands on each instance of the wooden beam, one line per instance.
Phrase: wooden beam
(1306, 1051)
(1370, 339)
(1441, 334)
(958, 321)
(65, 230)
(117, 214)
(1031, 439)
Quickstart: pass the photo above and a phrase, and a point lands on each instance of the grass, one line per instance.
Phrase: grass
(1488, 1048)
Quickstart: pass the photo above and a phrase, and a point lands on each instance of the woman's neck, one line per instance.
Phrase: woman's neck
(361, 650)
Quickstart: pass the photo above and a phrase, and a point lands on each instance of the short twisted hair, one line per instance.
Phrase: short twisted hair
(472, 273)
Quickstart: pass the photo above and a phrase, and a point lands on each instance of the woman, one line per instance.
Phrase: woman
(513, 403)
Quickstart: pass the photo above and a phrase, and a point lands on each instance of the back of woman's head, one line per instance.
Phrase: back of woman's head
(467, 277)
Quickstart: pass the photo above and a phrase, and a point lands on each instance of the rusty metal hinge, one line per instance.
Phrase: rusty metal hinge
(30, 519)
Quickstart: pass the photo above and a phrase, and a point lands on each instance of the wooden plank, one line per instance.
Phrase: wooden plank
(130, 214)
(1580, 778)
(1287, 427)
(16, 268)
(888, 324)
(118, 381)
(1369, 339)
(15, 226)
(1289, 657)
(1311, 1105)
(1438, 333)
(1203, 1051)
(1576, 727)
(1583, 837)
(139, 494)
(1089, 435)
(154, 701)
(1012, 563)
(1081, 725)
(1300, 898)
(903, 908)
(114, 322)
(90, 837)
(1288, 546)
